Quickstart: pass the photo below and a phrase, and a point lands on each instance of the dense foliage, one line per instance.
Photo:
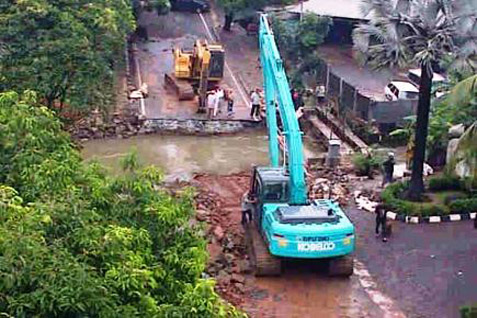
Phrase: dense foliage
(298, 41)
(75, 242)
(64, 50)
(445, 182)
(461, 201)
(392, 196)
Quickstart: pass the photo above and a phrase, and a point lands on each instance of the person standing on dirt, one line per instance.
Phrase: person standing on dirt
(211, 101)
(230, 102)
(381, 221)
(255, 97)
(248, 202)
(388, 168)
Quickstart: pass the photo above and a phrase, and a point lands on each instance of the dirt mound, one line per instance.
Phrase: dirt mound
(218, 204)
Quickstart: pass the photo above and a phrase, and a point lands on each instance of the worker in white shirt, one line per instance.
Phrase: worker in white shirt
(211, 103)
(220, 100)
(255, 97)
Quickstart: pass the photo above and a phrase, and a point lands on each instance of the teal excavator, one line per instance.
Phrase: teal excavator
(285, 223)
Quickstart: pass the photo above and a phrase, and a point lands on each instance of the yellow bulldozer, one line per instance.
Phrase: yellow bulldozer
(197, 70)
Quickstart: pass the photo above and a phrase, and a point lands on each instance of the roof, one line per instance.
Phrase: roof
(405, 86)
(348, 9)
(435, 77)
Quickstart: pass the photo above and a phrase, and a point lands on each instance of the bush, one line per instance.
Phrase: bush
(365, 164)
(468, 311)
(75, 242)
(445, 182)
(432, 209)
(464, 205)
(392, 198)
(453, 197)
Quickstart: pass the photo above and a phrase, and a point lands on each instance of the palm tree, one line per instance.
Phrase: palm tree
(422, 32)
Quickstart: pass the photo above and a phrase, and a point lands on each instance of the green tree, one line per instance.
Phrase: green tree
(421, 32)
(312, 31)
(298, 40)
(64, 50)
(76, 242)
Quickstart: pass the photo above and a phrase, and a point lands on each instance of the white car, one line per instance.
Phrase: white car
(400, 90)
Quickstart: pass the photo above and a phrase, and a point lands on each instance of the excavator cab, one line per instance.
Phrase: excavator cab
(268, 185)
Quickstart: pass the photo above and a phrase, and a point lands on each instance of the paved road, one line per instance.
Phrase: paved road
(419, 268)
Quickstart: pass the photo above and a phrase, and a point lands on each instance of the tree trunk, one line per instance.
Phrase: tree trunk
(417, 184)
(228, 21)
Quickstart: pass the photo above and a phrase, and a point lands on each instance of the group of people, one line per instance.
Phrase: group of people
(216, 101)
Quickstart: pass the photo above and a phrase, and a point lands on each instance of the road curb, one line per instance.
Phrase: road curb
(366, 204)
(431, 219)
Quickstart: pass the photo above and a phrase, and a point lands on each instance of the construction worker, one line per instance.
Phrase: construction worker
(388, 169)
(381, 221)
(230, 102)
(211, 103)
(248, 204)
(219, 96)
(255, 111)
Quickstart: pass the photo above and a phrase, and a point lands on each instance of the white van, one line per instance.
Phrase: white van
(400, 90)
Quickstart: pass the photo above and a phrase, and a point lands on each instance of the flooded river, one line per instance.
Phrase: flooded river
(182, 156)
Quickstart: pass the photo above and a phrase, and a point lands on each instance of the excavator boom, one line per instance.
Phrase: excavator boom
(277, 91)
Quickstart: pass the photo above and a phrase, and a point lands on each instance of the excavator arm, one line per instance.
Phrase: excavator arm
(277, 93)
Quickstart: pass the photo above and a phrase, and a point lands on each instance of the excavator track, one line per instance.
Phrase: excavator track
(263, 263)
(183, 90)
(341, 266)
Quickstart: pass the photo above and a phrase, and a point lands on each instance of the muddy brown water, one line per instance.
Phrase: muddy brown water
(182, 156)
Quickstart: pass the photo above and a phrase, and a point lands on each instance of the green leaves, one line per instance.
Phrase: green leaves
(75, 242)
(66, 51)
(421, 32)
(300, 39)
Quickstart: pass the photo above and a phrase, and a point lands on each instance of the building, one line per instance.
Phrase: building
(345, 14)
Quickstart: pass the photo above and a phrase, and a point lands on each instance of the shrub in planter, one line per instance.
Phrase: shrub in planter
(391, 196)
(445, 182)
(453, 197)
(433, 209)
(464, 205)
